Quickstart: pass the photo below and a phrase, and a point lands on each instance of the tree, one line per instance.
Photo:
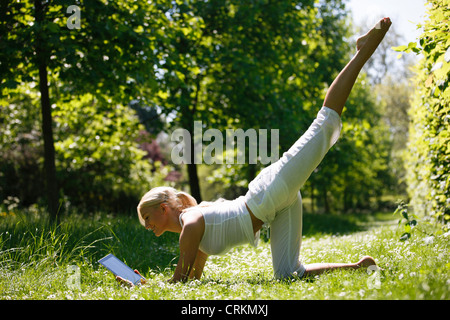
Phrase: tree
(394, 101)
(109, 56)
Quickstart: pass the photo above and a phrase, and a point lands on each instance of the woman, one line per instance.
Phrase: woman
(273, 197)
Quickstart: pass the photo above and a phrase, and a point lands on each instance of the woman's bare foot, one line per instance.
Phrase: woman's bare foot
(372, 39)
(366, 262)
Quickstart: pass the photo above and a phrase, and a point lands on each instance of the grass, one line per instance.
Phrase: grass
(36, 261)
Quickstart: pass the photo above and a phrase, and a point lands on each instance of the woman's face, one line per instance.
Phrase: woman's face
(155, 218)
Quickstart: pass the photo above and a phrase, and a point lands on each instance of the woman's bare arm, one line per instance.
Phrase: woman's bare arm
(190, 237)
(199, 264)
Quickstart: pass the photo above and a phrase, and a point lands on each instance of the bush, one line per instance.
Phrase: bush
(428, 159)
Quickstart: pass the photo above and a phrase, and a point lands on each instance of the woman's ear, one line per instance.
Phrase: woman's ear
(164, 207)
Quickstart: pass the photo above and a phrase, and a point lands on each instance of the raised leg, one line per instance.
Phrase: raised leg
(366, 45)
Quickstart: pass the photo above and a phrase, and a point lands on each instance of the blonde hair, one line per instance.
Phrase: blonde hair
(175, 199)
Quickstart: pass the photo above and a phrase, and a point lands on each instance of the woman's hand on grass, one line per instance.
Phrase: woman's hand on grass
(128, 283)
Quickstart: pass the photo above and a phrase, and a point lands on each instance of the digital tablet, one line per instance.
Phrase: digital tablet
(118, 268)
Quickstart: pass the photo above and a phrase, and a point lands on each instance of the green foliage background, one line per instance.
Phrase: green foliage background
(428, 157)
(137, 69)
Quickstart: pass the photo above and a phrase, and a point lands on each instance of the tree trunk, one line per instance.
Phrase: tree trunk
(251, 172)
(188, 115)
(47, 126)
(194, 182)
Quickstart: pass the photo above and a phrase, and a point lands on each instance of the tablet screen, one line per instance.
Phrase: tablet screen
(118, 268)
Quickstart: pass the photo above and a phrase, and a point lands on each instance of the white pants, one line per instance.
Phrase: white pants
(274, 195)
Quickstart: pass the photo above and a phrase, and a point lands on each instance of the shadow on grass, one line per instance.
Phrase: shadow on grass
(332, 224)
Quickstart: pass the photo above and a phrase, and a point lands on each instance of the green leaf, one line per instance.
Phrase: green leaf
(412, 46)
(399, 48)
(405, 214)
(11, 84)
(407, 228)
(53, 27)
(405, 236)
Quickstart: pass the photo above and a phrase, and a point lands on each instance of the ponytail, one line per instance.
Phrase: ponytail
(185, 200)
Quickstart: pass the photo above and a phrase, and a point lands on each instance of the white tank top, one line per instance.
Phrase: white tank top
(227, 224)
